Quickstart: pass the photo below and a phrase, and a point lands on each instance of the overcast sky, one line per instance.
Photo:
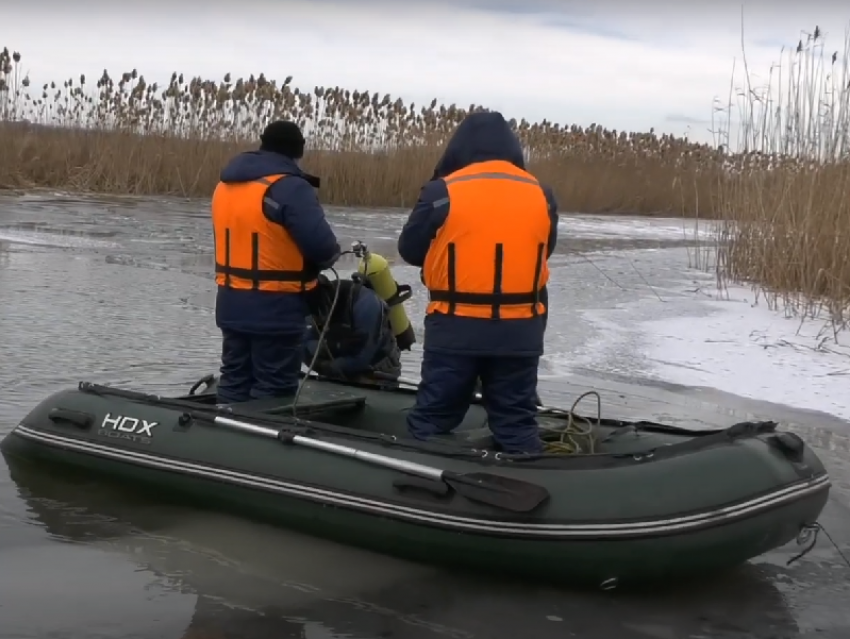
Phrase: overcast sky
(626, 65)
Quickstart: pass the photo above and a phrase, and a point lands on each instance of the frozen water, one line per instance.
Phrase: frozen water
(741, 346)
(604, 227)
(59, 240)
(695, 335)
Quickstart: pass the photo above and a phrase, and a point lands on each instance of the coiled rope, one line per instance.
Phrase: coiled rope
(578, 435)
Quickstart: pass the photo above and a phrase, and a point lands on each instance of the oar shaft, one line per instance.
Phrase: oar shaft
(493, 490)
(336, 449)
(251, 429)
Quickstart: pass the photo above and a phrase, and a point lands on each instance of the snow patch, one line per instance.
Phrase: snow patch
(747, 349)
(59, 240)
(601, 227)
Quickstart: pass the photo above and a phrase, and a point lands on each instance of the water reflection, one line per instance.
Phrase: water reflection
(248, 581)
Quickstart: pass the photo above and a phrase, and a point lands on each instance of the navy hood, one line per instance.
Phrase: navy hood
(253, 165)
(481, 137)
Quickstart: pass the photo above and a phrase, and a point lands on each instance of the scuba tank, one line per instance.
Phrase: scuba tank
(376, 270)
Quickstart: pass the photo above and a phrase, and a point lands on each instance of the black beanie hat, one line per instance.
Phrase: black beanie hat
(284, 137)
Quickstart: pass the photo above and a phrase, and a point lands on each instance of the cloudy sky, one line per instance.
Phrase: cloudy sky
(654, 63)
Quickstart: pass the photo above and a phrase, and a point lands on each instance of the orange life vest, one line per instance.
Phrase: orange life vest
(488, 260)
(251, 251)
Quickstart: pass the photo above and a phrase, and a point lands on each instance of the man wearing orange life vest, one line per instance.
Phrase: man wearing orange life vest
(271, 241)
(482, 232)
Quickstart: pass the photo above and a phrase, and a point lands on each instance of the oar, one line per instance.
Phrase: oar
(493, 490)
(406, 381)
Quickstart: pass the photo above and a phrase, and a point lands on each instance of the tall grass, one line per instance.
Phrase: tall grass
(124, 135)
(787, 203)
(782, 186)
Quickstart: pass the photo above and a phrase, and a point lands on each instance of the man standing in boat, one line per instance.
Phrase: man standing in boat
(271, 241)
(359, 341)
(482, 232)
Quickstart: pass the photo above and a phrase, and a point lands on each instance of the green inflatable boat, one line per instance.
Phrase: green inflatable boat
(611, 503)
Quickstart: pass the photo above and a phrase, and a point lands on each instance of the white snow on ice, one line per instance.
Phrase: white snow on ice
(699, 336)
(602, 227)
(743, 347)
(723, 341)
(59, 240)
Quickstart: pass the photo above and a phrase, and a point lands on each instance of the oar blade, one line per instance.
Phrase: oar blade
(497, 490)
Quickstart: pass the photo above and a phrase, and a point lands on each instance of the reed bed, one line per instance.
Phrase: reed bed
(787, 205)
(122, 134)
(781, 186)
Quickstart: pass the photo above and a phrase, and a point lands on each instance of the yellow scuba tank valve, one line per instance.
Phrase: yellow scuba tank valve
(376, 269)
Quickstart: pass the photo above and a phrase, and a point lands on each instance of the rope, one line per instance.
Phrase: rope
(578, 436)
(359, 249)
(322, 335)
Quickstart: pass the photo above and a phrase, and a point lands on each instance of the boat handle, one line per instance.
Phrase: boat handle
(205, 381)
(789, 444)
(75, 417)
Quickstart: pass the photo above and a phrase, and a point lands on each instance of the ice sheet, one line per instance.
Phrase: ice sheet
(698, 336)
(602, 227)
(728, 341)
(60, 240)
(743, 347)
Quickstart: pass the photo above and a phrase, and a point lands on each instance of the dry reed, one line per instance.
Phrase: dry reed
(781, 187)
(786, 205)
(124, 135)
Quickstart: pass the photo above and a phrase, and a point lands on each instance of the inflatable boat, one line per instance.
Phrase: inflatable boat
(610, 503)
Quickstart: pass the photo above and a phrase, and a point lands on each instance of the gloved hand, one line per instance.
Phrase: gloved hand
(322, 368)
(328, 369)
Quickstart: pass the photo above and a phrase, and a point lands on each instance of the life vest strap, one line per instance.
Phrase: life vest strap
(263, 275)
(497, 298)
(483, 299)
(255, 274)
